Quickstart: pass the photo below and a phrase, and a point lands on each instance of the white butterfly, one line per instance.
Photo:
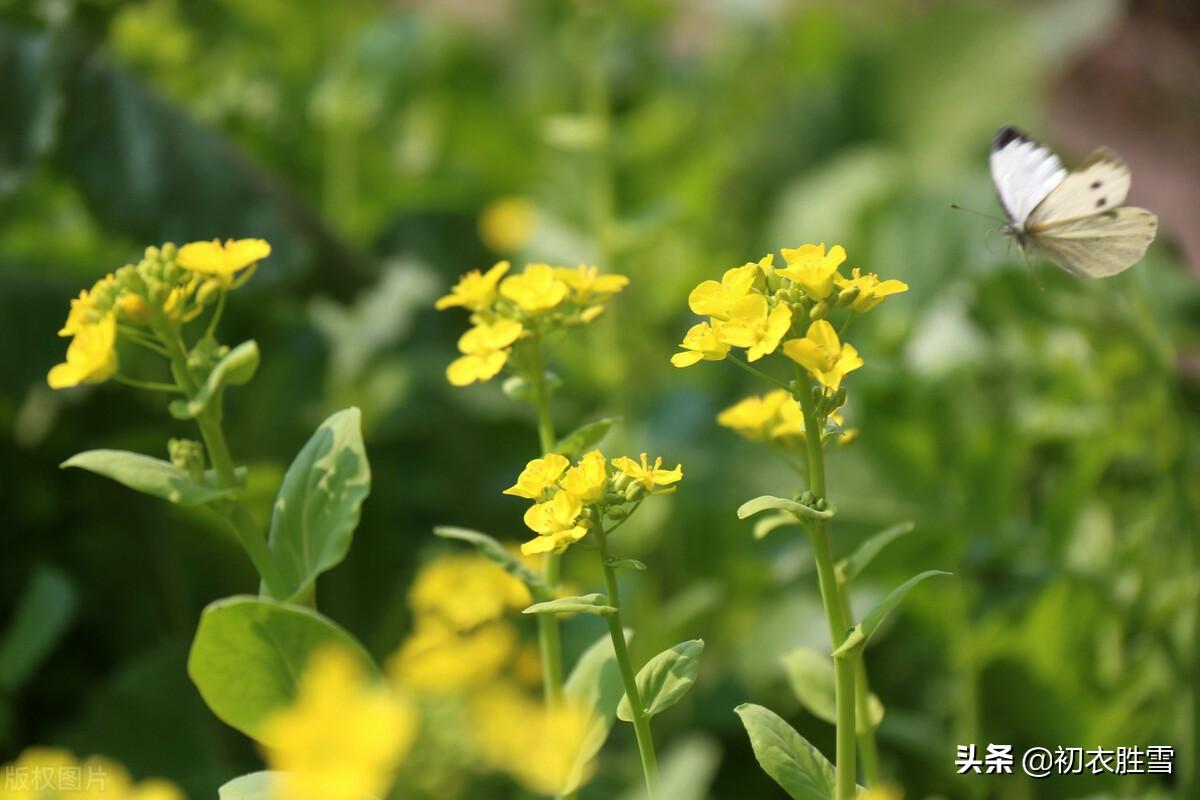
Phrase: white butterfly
(1073, 219)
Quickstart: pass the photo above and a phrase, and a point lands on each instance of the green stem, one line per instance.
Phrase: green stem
(835, 608)
(868, 751)
(150, 386)
(641, 722)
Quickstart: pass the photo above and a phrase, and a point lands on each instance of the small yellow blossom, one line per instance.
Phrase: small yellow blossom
(437, 658)
(716, 299)
(823, 354)
(485, 352)
(647, 474)
(539, 746)
(133, 308)
(43, 773)
(539, 475)
(588, 285)
(343, 737)
(222, 261)
(91, 356)
(557, 524)
(773, 416)
(587, 481)
(507, 223)
(756, 328)
(474, 291)
(703, 341)
(466, 590)
(810, 268)
(536, 289)
(871, 290)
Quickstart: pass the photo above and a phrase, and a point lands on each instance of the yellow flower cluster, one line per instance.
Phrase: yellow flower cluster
(168, 287)
(343, 737)
(775, 417)
(43, 773)
(568, 498)
(763, 308)
(508, 308)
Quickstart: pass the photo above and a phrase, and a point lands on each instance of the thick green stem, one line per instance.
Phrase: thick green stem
(641, 722)
(868, 752)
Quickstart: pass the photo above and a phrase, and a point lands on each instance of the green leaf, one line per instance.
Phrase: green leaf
(811, 676)
(44, 610)
(853, 565)
(594, 683)
(318, 505)
(495, 551)
(33, 66)
(766, 502)
(793, 763)
(665, 679)
(862, 632)
(148, 475)
(236, 368)
(626, 563)
(255, 786)
(585, 437)
(583, 604)
(249, 653)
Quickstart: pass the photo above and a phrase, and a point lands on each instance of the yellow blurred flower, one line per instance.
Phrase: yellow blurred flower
(885, 791)
(536, 289)
(474, 291)
(485, 352)
(870, 290)
(538, 746)
(507, 223)
(343, 737)
(756, 327)
(823, 355)
(437, 658)
(647, 474)
(539, 475)
(43, 773)
(703, 341)
(810, 268)
(222, 261)
(587, 481)
(466, 590)
(557, 524)
(716, 299)
(587, 285)
(91, 356)
(773, 416)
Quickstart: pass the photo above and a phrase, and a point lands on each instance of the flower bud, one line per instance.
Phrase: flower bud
(847, 296)
(807, 498)
(169, 250)
(133, 308)
(617, 512)
(208, 290)
(820, 504)
(818, 311)
(187, 455)
(633, 491)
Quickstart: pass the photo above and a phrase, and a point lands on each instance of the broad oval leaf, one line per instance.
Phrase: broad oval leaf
(148, 475)
(318, 505)
(793, 763)
(254, 786)
(767, 502)
(811, 676)
(665, 679)
(498, 553)
(594, 683)
(853, 566)
(584, 437)
(237, 367)
(583, 604)
(861, 633)
(249, 653)
(45, 609)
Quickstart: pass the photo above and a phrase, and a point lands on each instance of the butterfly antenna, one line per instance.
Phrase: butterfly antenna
(957, 207)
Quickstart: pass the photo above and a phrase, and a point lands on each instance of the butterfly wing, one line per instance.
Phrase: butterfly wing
(1098, 245)
(1098, 184)
(1023, 171)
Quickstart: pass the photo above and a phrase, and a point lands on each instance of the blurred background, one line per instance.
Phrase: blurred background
(1038, 429)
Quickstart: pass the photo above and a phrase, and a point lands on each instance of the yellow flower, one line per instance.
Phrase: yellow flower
(885, 791)
(537, 745)
(774, 415)
(474, 291)
(823, 355)
(222, 260)
(587, 284)
(43, 773)
(716, 299)
(557, 524)
(466, 590)
(646, 474)
(344, 735)
(485, 352)
(507, 223)
(437, 658)
(754, 327)
(702, 342)
(536, 289)
(91, 356)
(871, 290)
(587, 481)
(811, 269)
(538, 476)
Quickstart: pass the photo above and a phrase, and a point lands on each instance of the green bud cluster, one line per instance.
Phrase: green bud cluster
(187, 455)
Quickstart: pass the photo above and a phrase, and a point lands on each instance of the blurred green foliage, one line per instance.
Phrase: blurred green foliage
(1031, 425)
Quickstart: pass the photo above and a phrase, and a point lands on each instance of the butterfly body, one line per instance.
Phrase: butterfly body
(1074, 219)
